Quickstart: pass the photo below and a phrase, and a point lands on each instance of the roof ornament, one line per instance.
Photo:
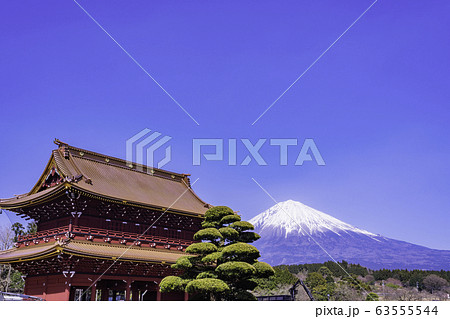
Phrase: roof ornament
(66, 152)
(64, 146)
(59, 143)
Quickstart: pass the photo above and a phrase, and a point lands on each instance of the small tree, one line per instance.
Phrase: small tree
(282, 279)
(10, 279)
(369, 279)
(31, 228)
(326, 273)
(6, 238)
(6, 242)
(223, 266)
(315, 279)
(18, 230)
(322, 289)
(371, 296)
(434, 282)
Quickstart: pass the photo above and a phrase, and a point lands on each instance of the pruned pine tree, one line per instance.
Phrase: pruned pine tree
(223, 265)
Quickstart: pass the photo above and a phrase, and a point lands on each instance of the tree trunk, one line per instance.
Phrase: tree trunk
(8, 279)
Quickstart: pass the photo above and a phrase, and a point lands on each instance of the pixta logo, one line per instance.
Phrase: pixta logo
(144, 145)
(306, 153)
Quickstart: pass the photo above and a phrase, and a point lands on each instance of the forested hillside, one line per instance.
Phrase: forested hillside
(344, 281)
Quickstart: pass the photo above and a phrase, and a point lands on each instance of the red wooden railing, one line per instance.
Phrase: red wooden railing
(103, 233)
(45, 233)
(113, 234)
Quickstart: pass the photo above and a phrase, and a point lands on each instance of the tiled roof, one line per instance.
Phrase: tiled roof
(27, 253)
(98, 250)
(90, 250)
(114, 179)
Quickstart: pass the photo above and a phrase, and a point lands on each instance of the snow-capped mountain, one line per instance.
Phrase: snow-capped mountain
(294, 218)
(293, 233)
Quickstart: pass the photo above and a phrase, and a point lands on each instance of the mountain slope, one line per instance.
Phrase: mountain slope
(293, 233)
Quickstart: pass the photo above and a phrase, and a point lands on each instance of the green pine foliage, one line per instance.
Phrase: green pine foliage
(242, 226)
(324, 292)
(280, 278)
(208, 234)
(172, 283)
(234, 270)
(321, 288)
(229, 219)
(249, 237)
(229, 233)
(263, 270)
(223, 266)
(314, 279)
(215, 289)
(201, 248)
(212, 258)
(240, 251)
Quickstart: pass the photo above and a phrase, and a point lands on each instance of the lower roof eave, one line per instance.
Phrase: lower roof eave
(91, 250)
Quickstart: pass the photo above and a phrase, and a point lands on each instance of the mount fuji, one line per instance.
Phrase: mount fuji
(293, 233)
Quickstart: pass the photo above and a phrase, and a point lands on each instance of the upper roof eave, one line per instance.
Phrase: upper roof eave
(32, 199)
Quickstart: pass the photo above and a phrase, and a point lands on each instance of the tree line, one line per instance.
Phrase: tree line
(412, 278)
(346, 281)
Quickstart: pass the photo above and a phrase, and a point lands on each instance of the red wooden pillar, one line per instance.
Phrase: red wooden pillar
(105, 294)
(158, 294)
(135, 294)
(44, 292)
(94, 292)
(25, 288)
(66, 295)
(128, 290)
(186, 296)
(76, 219)
(70, 225)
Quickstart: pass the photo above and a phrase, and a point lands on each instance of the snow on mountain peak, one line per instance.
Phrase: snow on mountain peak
(294, 218)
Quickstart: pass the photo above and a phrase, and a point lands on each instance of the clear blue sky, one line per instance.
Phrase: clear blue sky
(377, 104)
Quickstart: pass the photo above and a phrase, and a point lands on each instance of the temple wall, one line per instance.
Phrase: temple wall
(47, 287)
(58, 287)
